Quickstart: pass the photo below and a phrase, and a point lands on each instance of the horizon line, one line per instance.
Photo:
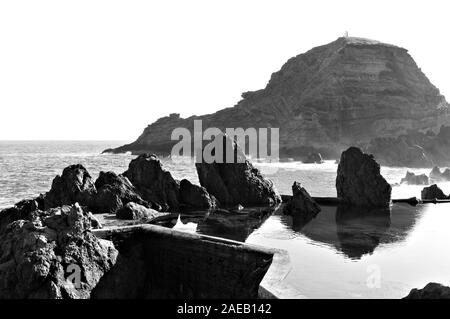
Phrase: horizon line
(61, 140)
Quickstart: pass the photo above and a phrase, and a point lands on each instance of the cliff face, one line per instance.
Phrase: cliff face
(340, 94)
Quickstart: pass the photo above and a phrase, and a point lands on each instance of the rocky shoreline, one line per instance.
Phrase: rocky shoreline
(42, 237)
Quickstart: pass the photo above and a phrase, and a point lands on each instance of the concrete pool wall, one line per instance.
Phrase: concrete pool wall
(159, 262)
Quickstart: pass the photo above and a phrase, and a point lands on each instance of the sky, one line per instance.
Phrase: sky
(104, 70)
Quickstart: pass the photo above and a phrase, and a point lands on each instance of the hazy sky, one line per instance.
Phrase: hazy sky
(106, 69)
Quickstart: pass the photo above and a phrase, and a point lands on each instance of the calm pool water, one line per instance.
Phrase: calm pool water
(355, 254)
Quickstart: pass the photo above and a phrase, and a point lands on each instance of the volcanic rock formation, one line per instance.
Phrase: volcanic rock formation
(114, 192)
(157, 185)
(430, 291)
(344, 93)
(75, 185)
(133, 211)
(153, 182)
(301, 203)
(432, 192)
(236, 183)
(359, 181)
(37, 254)
(196, 196)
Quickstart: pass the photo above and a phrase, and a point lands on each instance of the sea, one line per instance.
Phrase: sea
(338, 254)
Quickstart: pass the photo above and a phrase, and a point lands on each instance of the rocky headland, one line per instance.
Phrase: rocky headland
(431, 291)
(350, 92)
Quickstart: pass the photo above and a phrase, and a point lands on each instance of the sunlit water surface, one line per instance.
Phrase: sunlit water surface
(339, 254)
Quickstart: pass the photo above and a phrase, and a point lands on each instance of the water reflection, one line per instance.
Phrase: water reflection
(301, 220)
(360, 230)
(234, 226)
(355, 231)
(352, 231)
(332, 254)
(223, 223)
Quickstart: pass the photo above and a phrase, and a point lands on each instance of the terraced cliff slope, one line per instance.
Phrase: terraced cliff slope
(340, 94)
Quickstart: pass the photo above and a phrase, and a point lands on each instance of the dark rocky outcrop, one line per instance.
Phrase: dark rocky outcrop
(430, 291)
(196, 196)
(238, 182)
(157, 186)
(344, 93)
(151, 187)
(47, 242)
(432, 192)
(413, 179)
(31, 210)
(153, 182)
(301, 203)
(22, 210)
(133, 211)
(113, 192)
(74, 185)
(109, 193)
(359, 181)
(38, 256)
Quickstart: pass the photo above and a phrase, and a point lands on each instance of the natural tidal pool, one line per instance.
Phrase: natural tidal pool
(342, 253)
(351, 254)
(345, 252)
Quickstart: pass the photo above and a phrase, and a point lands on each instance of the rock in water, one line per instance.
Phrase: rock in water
(333, 96)
(301, 203)
(238, 182)
(158, 187)
(196, 196)
(359, 181)
(432, 192)
(430, 291)
(113, 192)
(153, 182)
(74, 185)
(38, 256)
(133, 211)
(413, 179)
